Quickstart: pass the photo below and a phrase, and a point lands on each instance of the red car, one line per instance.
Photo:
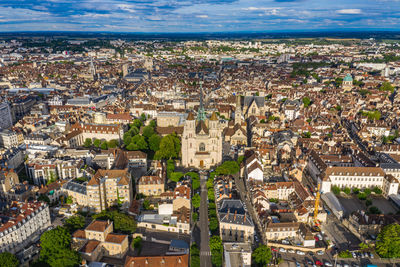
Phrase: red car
(316, 238)
(274, 249)
(318, 263)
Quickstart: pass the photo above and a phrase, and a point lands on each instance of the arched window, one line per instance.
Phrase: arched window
(202, 147)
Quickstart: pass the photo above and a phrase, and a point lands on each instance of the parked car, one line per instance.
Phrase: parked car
(282, 250)
(316, 238)
(274, 249)
(320, 252)
(327, 263)
(346, 265)
(285, 242)
(290, 251)
(298, 264)
(309, 262)
(299, 252)
(317, 262)
(371, 255)
(320, 237)
(311, 253)
(354, 254)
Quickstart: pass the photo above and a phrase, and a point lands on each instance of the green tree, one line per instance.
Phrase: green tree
(8, 260)
(240, 159)
(362, 196)
(386, 86)
(74, 223)
(104, 145)
(143, 117)
(262, 255)
(347, 190)
(196, 201)
(148, 131)
(122, 222)
(388, 241)
(127, 139)
(136, 123)
(176, 176)
(137, 244)
(194, 255)
(133, 131)
(306, 101)
(146, 205)
(214, 225)
(228, 168)
(88, 142)
(216, 250)
(195, 216)
(363, 246)
(374, 210)
(154, 142)
(345, 254)
(44, 198)
(113, 143)
(368, 202)
(96, 142)
(377, 190)
(69, 200)
(131, 147)
(56, 248)
(335, 189)
(170, 147)
(153, 124)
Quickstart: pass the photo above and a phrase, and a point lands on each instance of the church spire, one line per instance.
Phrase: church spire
(201, 114)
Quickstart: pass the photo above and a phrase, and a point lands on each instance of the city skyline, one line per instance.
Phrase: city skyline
(198, 16)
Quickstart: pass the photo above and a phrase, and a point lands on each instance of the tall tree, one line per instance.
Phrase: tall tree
(262, 255)
(388, 241)
(196, 201)
(74, 223)
(8, 260)
(154, 142)
(88, 142)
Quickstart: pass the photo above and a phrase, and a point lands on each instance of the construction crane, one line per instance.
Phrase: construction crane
(316, 208)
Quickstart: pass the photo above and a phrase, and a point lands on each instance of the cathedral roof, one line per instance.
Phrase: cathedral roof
(201, 126)
(214, 117)
(348, 78)
(190, 116)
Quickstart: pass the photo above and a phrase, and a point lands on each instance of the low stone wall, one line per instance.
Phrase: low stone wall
(305, 249)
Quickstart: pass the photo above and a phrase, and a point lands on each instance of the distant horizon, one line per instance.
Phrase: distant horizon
(193, 16)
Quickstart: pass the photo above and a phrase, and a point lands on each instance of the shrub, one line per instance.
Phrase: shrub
(335, 189)
(347, 190)
(368, 202)
(374, 210)
(367, 191)
(356, 191)
(362, 196)
(345, 254)
(377, 190)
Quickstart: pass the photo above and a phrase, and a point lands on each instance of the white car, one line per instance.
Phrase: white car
(320, 252)
(290, 251)
(299, 252)
(327, 263)
(282, 250)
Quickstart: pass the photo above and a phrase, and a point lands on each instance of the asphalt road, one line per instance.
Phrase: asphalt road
(205, 254)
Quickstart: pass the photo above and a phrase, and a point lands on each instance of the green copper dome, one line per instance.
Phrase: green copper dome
(348, 78)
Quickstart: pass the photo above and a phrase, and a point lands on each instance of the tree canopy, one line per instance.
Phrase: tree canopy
(170, 147)
(56, 248)
(227, 168)
(306, 101)
(262, 255)
(386, 86)
(216, 250)
(196, 201)
(122, 222)
(74, 223)
(8, 260)
(388, 241)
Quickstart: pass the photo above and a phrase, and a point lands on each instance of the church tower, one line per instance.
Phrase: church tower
(238, 111)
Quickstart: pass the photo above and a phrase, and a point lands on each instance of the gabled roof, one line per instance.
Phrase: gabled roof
(201, 126)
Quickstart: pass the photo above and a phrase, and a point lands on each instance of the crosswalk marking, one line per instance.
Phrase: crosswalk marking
(205, 253)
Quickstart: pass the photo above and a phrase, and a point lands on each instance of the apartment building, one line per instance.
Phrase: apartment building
(22, 223)
(6, 117)
(8, 139)
(235, 225)
(281, 230)
(153, 185)
(109, 188)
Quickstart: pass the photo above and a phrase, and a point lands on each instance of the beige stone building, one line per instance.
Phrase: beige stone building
(151, 185)
(98, 240)
(201, 142)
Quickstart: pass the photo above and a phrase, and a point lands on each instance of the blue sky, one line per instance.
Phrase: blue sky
(198, 15)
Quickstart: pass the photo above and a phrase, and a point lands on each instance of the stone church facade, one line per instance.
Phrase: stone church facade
(201, 141)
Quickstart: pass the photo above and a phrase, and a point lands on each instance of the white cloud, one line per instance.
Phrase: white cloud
(252, 8)
(353, 11)
(202, 16)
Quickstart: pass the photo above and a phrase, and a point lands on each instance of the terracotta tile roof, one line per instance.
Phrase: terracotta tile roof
(119, 116)
(79, 234)
(123, 174)
(90, 246)
(158, 261)
(98, 226)
(147, 180)
(115, 238)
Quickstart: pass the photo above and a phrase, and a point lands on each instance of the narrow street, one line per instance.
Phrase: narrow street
(205, 254)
